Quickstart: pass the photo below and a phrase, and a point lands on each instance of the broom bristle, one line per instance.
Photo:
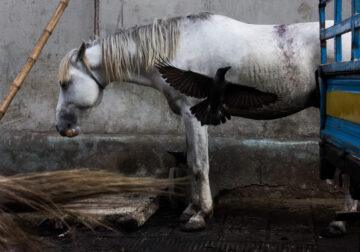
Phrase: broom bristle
(12, 235)
(46, 192)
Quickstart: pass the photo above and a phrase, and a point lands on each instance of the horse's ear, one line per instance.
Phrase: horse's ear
(81, 52)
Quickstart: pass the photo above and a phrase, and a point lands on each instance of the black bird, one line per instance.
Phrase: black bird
(217, 90)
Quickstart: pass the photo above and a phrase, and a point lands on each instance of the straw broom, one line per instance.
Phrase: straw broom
(63, 186)
(13, 236)
(45, 192)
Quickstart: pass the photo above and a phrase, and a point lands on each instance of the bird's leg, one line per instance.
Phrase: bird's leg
(201, 204)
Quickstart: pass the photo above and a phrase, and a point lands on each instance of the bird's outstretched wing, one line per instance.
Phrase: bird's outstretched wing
(187, 82)
(243, 97)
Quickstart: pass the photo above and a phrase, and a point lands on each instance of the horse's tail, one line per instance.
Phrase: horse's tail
(206, 116)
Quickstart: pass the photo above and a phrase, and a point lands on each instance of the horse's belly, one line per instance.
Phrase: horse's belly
(269, 112)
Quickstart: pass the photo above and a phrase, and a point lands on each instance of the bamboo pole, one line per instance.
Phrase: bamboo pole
(34, 55)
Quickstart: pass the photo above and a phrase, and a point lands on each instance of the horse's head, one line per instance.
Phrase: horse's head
(81, 84)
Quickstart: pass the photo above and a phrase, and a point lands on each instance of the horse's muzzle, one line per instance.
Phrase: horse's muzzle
(68, 132)
(72, 132)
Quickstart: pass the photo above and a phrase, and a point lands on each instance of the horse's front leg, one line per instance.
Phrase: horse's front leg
(201, 204)
(338, 228)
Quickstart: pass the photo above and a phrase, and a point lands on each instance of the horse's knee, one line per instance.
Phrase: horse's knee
(199, 176)
(199, 163)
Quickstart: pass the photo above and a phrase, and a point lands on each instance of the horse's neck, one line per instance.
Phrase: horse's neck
(94, 56)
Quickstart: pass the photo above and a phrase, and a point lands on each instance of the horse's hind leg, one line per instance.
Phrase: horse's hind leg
(338, 228)
(201, 204)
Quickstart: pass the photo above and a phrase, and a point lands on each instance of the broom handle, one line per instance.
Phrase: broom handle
(18, 81)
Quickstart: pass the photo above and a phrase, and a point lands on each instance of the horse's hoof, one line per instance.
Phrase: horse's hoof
(187, 214)
(195, 223)
(335, 229)
(185, 217)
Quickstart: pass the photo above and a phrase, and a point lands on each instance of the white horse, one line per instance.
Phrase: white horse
(275, 58)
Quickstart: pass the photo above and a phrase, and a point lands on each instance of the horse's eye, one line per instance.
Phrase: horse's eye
(64, 84)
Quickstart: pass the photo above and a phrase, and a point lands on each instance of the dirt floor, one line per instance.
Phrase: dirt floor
(242, 225)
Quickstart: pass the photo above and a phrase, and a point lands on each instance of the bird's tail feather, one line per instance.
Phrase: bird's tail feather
(206, 116)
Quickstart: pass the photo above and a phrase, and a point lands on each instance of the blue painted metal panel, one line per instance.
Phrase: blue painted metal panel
(341, 28)
(344, 66)
(323, 54)
(322, 104)
(343, 134)
(322, 6)
(355, 54)
(337, 41)
(346, 85)
(357, 31)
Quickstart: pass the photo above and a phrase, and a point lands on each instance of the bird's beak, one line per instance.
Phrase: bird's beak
(225, 69)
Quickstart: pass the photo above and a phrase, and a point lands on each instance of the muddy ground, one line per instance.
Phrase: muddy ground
(237, 225)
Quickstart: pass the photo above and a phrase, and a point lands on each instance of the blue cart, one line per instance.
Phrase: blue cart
(340, 98)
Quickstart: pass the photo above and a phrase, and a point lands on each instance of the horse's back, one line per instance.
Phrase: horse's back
(275, 58)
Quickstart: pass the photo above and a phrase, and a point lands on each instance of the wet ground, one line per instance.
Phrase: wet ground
(242, 225)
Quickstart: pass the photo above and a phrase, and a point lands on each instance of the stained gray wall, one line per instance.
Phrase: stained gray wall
(28, 138)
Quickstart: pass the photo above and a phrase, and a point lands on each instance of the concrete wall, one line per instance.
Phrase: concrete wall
(131, 116)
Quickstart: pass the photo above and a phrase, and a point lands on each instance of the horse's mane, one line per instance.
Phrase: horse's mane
(124, 52)
(65, 63)
(153, 41)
